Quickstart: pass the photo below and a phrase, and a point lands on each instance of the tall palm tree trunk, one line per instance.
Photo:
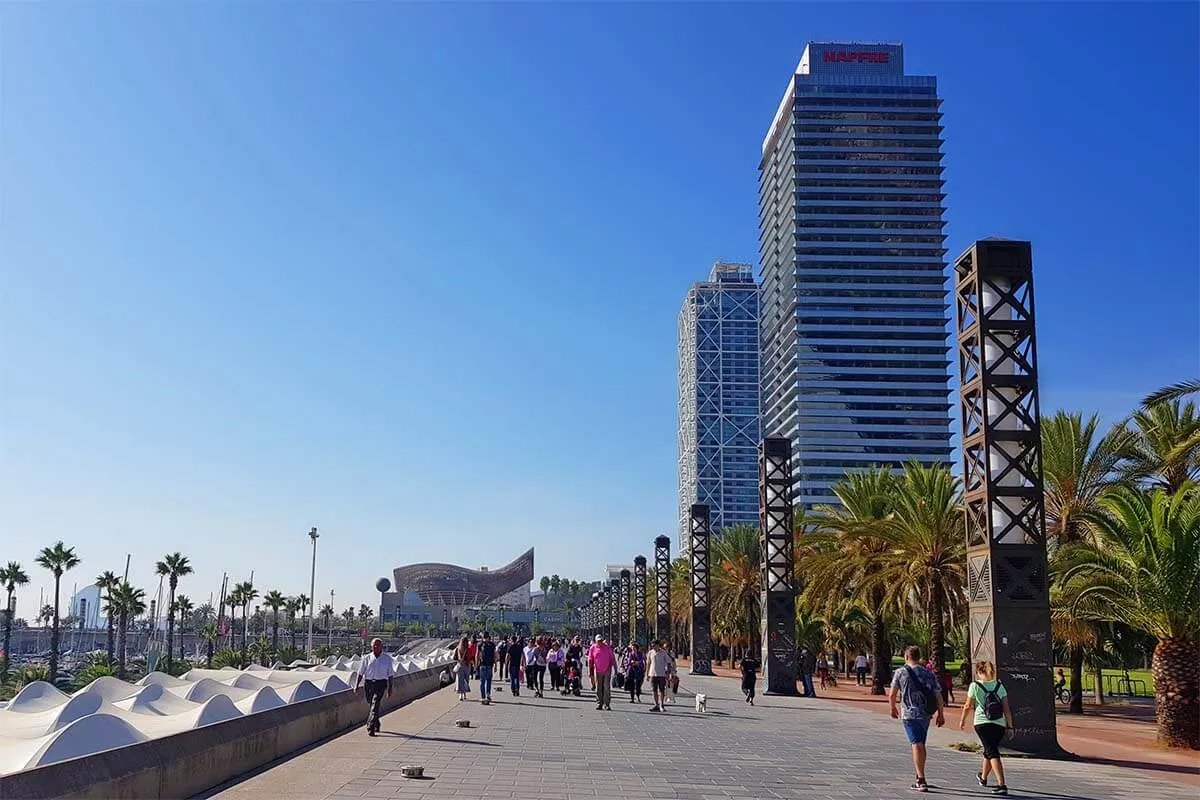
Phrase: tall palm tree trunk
(54, 632)
(8, 615)
(1176, 671)
(209, 654)
(170, 623)
(122, 636)
(1075, 663)
(275, 631)
(937, 630)
(109, 642)
(881, 650)
(245, 632)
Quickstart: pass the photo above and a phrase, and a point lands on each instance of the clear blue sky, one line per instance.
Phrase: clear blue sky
(410, 273)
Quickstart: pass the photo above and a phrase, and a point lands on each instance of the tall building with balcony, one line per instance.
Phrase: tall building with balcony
(855, 365)
(718, 398)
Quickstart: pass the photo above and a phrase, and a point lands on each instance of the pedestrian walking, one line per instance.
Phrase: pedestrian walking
(947, 681)
(554, 662)
(603, 661)
(502, 658)
(658, 667)
(540, 662)
(672, 676)
(485, 662)
(860, 668)
(807, 663)
(823, 669)
(635, 671)
(516, 657)
(529, 661)
(376, 673)
(750, 667)
(914, 699)
(462, 667)
(993, 720)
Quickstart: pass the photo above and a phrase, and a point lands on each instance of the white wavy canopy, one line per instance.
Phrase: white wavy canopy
(42, 725)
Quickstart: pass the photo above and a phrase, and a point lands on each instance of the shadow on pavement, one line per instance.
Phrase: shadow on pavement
(444, 739)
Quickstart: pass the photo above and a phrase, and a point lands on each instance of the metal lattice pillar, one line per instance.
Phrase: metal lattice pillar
(662, 588)
(623, 607)
(613, 631)
(701, 613)
(605, 595)
(1007, 585)
(594, 615)
(779, 588)
(639, 601)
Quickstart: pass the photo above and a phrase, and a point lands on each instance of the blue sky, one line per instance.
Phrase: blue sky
(410, 273)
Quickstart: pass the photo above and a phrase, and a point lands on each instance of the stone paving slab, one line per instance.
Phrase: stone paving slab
(562, 748)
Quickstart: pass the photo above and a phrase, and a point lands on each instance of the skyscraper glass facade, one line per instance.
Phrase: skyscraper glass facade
(855, 365)
(718, 398)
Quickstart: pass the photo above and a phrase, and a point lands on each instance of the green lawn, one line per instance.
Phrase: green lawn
(1135, 675)
(1146, 689)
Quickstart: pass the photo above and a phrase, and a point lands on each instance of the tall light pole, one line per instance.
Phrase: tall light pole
(312, 589)
(334, 608)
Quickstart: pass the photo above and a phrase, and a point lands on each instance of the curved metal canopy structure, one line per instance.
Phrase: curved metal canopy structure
(450, 585)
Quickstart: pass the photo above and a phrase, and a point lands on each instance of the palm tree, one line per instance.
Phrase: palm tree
(304, 604)
(234, 599)
(183, 606)
(348, 615)
(130, 603)
(58, 559)
(209, 634)
(1175, 391)
(274, 600)
(1078, 466)
(737, 581)
(848, 552)
(173, 567)
(246, 593)
(555, 584)
(1144, 570)
(1163, 450)
(292, 605)
(107, 581)
(11, 576)
(925, 550)
(544, 583)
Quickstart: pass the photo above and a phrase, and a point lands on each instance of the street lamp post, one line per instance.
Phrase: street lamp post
(330, 631)
(312, 589)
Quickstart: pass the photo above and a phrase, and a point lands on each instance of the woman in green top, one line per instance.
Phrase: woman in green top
(993, 720)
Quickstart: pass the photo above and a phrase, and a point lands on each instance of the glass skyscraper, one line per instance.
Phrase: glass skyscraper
(854, 301)
(718, 399)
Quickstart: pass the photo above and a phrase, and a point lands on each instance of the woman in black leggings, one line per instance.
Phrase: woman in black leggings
(988, 698)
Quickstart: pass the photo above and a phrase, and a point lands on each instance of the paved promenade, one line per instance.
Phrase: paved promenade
(562, 748)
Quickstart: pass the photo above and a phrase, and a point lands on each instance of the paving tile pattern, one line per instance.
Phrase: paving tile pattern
(563, 749)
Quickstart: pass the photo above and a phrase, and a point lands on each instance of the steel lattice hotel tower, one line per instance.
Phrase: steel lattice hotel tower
(854, 302)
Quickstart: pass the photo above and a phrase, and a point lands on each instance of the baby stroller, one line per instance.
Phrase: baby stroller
(573, 679)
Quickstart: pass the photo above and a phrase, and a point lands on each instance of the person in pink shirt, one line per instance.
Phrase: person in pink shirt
(603, 660)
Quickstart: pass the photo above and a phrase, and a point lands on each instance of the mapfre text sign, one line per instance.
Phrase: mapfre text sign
(855, 57)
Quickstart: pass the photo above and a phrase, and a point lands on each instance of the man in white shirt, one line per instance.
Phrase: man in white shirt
(376, 673)
(658, 667)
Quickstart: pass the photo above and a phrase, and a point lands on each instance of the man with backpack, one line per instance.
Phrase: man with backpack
(485, 662)
(993, 721)
(915, 698)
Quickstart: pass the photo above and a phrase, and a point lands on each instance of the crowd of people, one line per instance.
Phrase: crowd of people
(917, 696)
(525, 664)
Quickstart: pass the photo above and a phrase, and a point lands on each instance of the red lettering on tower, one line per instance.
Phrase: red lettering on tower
(858, 56)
